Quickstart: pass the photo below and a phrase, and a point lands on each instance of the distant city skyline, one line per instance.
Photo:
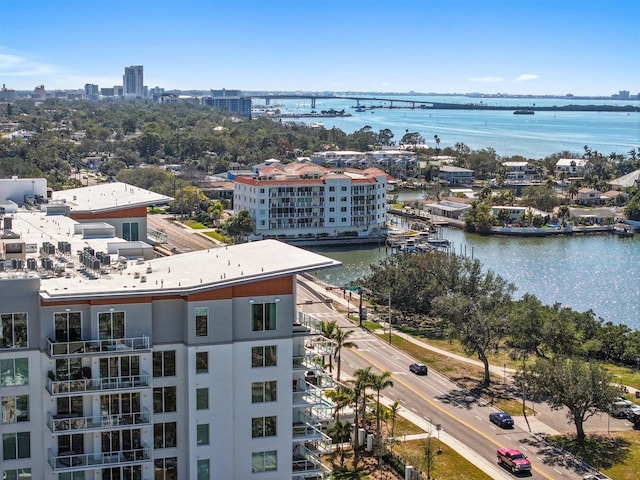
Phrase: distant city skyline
(524, 47)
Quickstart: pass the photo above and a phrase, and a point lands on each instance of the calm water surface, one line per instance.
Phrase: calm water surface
(532, 136)
(600, 272)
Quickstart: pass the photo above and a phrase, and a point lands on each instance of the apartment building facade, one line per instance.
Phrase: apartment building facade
(113, 366)
(303, 200)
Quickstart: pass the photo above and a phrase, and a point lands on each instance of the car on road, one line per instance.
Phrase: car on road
(595, 476)
(419, 368)
(501, 419)
(514, 460)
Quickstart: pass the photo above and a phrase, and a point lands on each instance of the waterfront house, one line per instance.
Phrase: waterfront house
(615, 196)
(519, 172)
(455, 208)
(571, 166)
(451, 175)
(627, 181)
(593, 216)
(589, 196)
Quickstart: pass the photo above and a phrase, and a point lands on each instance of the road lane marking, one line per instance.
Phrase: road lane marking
(556, 470)
(507, 437)
(478, 418)
(442, 409)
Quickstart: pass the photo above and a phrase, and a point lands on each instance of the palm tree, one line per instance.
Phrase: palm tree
(394, 409)
(329, 329)
(340, 397)
(340, 433)
(379, 383)
(437, 140)
(340, 338)
(360, 384)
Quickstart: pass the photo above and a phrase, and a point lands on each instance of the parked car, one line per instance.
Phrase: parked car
(501, 419)
(419, 368)
(633, 413)
(595, 476)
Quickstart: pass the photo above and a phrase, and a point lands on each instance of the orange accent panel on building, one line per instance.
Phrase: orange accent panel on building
(133, 212)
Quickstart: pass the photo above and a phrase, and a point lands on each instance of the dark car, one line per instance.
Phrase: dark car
(419, 368)
(501, 419)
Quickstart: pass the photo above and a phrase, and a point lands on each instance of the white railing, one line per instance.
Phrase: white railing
(66, 387)
(92, 347)
(77, 424)
(83, 461)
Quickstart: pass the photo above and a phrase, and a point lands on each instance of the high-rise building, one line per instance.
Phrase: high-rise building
(118, 365)
(91, 92)
(133, 81)
(299, 201)
(231, 100)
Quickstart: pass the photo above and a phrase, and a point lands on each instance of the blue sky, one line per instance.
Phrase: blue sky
(584, 47)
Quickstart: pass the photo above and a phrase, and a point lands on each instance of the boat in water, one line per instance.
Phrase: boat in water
(523, 112)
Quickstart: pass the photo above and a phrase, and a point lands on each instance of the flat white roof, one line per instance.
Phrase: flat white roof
(108, 196)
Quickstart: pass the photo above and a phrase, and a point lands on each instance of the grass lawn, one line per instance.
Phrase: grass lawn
(195, 225)
(625, 376)
(219, 237)
(617, 455)
(449, 464)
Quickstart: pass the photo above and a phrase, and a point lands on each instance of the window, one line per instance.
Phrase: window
(114, 367)
(263, 392)
(202, 434)
(202, 362)
(166, 468)
(343, 209)
(14, 371)
(164, 363)
(123, 440)
(15, 409)
(332, 189)
(124, 404)
(263, 316)
(20, 474)
(204, 469)
(332, 199)
(263, 426)
(16, 445)
(14, 330)
(264, 461)
(164, 435)
(130, 231)
(202, 322)
(68, 326)
(264, 356)
(343, 189)
(164, 399)
(343, 199)
(132, 472)
(202, 398)
(111, 325)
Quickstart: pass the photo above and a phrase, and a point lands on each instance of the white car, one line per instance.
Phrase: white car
(595, 476)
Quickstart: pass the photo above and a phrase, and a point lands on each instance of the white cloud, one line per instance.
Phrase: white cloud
(14, 66)
(486, 79)
(526, 77)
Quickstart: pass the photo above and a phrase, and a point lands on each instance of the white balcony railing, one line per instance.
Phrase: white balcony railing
(76, 424)
(88, 385)
(69, 461)
(93, 347)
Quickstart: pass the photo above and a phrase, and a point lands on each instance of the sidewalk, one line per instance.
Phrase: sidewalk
(545, 421)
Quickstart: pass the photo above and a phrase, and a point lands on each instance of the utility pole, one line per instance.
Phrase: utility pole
(360, 306)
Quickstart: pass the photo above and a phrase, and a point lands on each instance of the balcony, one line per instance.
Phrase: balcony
(94, 347)
(88, 385)
(67, 424)
(306, 465)
(70, 461)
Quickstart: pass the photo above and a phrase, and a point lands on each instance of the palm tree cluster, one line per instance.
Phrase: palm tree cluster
(362, 394)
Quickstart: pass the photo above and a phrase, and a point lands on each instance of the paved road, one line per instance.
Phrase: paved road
(435, 400)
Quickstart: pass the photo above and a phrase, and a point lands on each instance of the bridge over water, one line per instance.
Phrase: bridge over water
(429, 105)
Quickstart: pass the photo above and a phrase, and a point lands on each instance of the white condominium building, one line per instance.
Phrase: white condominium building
(118, 365)
(303, 200)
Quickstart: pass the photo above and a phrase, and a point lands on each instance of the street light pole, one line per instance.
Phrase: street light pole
(389, 317)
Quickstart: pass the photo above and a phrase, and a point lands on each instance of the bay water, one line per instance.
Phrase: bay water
(596, 272)
(531, 136)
